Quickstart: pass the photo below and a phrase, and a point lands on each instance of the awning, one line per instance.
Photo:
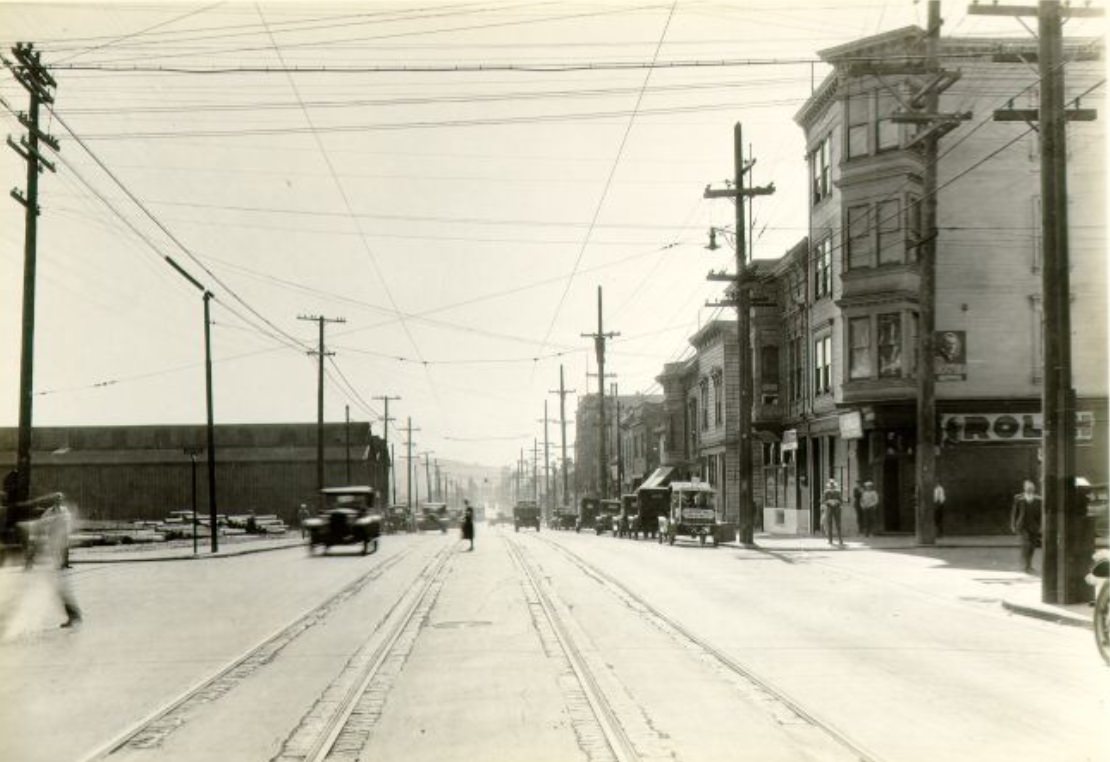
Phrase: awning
(661, 477)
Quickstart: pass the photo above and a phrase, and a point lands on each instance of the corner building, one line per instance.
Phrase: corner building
(851, 411)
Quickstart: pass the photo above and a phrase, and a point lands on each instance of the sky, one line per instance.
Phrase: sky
(455, 181)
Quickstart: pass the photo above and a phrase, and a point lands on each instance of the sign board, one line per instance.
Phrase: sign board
(950, 355)
(851, 425)
(789, 440)
(964, 428)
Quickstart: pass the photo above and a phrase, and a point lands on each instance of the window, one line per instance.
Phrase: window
(822, 269)
(797, 368)
(859, 341)
(887, 134)
(913, 227)
(890, 345)
(892, 245)
(821, 163)
(718, 398)
(822, 362)
(704, 392)
(769, 365)
(861, 243)
(859, 124)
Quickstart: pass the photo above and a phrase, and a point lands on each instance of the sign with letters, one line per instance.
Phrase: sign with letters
(851, 425)
(965, 428)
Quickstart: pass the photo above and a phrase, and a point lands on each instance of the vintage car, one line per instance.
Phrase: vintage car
(398, 519)
(349, 518)
(607, 513)
(564, 518)
(627, 521)
(587, 513)
(692, 513)
(433, 516)
(651, 504)
(526, 513)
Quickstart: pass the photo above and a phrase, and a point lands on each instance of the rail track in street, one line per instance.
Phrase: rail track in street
(340, 722)
(774, 698)
(150, 732)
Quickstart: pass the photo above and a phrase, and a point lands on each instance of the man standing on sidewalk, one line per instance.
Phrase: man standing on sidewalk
(833, 499)
(1025, 519)
(869, 506)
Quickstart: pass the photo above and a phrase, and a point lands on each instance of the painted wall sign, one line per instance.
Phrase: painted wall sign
(1006, 427)
(789, 440)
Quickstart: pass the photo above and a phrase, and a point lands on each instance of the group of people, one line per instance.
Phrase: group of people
(1025, 514)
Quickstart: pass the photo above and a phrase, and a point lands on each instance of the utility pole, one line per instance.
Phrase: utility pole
(320, 319)
(599, 348)
(1065, 554)
(391, 477)
(548, 492)
(347, 427)
(563, 392)
(428, 473)
(742, 301)
(36, 80)
(535, 471)
(408, 468)
(620, 449)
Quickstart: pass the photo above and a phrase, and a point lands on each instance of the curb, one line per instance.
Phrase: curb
(1049, 616)
(121, 559)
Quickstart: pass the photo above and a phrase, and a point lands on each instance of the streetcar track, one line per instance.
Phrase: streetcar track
(599, 732)
(152, 731)
(340, 722)
(788, 710)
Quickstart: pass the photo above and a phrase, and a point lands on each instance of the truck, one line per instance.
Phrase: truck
(692, 512)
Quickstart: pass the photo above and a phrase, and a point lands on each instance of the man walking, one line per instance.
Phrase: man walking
(1025, 519)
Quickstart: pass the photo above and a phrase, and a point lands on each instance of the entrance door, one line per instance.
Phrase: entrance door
(892, 494)
(817, 483)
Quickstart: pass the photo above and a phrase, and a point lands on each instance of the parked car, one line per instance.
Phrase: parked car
(651, 504)
(587, 513)
(432, 516)
(607, 513)
(564, 519)
(692, 513)
(526, 513)
(398, 519)
(349, 518)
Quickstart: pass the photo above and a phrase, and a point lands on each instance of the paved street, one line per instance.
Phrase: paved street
(549, 646)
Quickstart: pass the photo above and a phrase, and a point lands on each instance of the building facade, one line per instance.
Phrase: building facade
(144, 472)
(855, 418)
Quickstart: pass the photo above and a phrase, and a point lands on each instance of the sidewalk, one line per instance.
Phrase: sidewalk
(182, 550)
(975, 553)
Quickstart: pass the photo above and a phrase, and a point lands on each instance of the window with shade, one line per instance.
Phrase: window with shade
(822, 268)
(889, 327)
(859, 342)
(888, 135)
(861, 241)
(821, 169)
(822, 365)
(892, 244)
(859, 124)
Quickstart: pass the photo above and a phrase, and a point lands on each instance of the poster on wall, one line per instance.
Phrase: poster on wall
(950, 355)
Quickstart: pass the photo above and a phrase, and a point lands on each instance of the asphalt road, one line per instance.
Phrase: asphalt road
(549, 646)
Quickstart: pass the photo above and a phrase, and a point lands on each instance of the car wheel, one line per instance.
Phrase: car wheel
(365, 547)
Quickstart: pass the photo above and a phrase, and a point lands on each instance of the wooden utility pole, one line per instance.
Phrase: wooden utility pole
(391, 476)
(1065, 557)
(408, 467)
(535, 471)
(428, 473)
(563, 392)
(548, 494)
(615, 389)
(742, 301)
(599, 348)
(36, 80)
(321, 354)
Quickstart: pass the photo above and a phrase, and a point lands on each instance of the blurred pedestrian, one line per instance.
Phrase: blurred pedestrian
(869, 504)
(59, 525)
(939, 497)
(857, 490)
(832, 500)
(302, 514)
(468, 524)
(1025, 519)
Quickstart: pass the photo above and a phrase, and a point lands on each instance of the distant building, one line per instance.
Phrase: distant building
(143, 472)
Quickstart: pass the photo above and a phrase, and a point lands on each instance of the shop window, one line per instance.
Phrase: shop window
(892, 246)
(890, 345)
(859, 341)
(861, 242)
